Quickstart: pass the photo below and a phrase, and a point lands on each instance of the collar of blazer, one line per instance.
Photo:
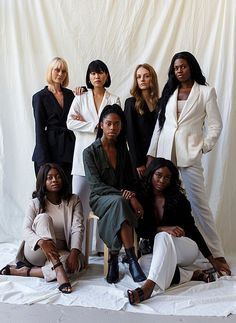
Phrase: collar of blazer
(104, 102)
(171, 111)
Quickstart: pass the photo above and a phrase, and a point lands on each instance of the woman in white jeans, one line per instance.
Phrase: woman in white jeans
(188, 125)
(170, 229)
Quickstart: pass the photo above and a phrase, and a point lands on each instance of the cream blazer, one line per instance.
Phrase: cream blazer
(85, 131)
(196, 131)
(73, 225)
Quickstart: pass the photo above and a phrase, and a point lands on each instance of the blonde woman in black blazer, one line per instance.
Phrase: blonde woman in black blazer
(54, 142)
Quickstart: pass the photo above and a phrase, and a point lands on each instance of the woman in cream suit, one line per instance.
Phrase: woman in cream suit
(53, 231)
(179, 135)
(83, 120)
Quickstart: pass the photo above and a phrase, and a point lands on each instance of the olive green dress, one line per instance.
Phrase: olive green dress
(106, 184)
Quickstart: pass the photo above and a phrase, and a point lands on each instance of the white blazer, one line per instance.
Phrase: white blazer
(85, 131)
(189, 134)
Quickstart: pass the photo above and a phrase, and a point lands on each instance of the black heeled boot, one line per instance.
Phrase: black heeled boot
(134, 267)
(113, 269)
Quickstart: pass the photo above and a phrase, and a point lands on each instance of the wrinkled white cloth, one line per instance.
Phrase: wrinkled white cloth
(91, 290)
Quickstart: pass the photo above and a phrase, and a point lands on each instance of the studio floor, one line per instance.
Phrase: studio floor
(24, 299)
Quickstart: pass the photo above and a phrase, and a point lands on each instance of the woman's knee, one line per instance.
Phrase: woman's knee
(163, 236)
(119, 200)
(42, 224)
(187, 250)
(43, 217)
(163, 240)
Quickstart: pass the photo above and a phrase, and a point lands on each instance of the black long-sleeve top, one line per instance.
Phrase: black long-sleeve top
(139, 131)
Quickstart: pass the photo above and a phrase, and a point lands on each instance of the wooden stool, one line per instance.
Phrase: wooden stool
(93, 217)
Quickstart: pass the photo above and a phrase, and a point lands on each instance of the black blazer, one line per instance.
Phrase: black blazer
(54, 142)
(139, 131)
(177, 215)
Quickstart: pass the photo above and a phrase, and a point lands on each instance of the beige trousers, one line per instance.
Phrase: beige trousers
(43, 227)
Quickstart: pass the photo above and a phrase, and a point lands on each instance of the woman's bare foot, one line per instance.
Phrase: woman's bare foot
(222, 266)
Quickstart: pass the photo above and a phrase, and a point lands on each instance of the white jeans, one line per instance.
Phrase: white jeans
(43, 227)
(168, 252)
(194, 185)
(81, 187)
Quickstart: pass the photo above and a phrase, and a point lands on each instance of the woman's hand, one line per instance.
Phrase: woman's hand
(175, 231)
(137, 207)
(49, 248)
(141, 170)
(79, 90)
(72, 261)
(149, 160)
(77, 116)
(127, 194)
(221, 267)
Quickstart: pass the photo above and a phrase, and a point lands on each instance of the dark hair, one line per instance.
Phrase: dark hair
(40, 193)
(174, 189)
(172, 83)
(97, 66)
(115, 108)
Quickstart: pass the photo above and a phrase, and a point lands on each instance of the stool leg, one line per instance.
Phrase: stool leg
(106, 255)
(135, 242)
(87, 242)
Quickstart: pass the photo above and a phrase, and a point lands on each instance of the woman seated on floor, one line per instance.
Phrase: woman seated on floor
(53, 232)
(174, 240)
(112, 182)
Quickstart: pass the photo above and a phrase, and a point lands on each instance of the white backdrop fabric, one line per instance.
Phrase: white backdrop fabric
(122, 33)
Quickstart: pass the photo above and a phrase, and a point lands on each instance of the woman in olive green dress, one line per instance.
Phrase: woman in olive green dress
(113, 199)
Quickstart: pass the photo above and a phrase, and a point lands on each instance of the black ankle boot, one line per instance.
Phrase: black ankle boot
(113, 269)
(134, 267)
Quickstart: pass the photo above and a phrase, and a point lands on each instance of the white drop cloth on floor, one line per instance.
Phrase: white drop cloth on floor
(91, 290)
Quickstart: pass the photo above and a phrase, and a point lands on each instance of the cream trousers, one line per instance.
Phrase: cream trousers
(43, 227)
(168, 252)
(194, 185)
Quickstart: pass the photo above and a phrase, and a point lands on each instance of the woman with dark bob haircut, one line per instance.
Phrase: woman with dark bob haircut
(83, 121)
(53, 232)
(113, 199)
(170, 233)
(188, 125)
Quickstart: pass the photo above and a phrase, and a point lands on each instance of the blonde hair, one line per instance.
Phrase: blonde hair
(153, 91)
(57, 62)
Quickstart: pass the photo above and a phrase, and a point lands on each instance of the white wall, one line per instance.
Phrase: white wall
(123, 33)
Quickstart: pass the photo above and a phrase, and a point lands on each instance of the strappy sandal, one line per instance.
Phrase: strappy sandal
(207, 276)
(131, 295)
(212, 275)
(63, 287)
(5, 270)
